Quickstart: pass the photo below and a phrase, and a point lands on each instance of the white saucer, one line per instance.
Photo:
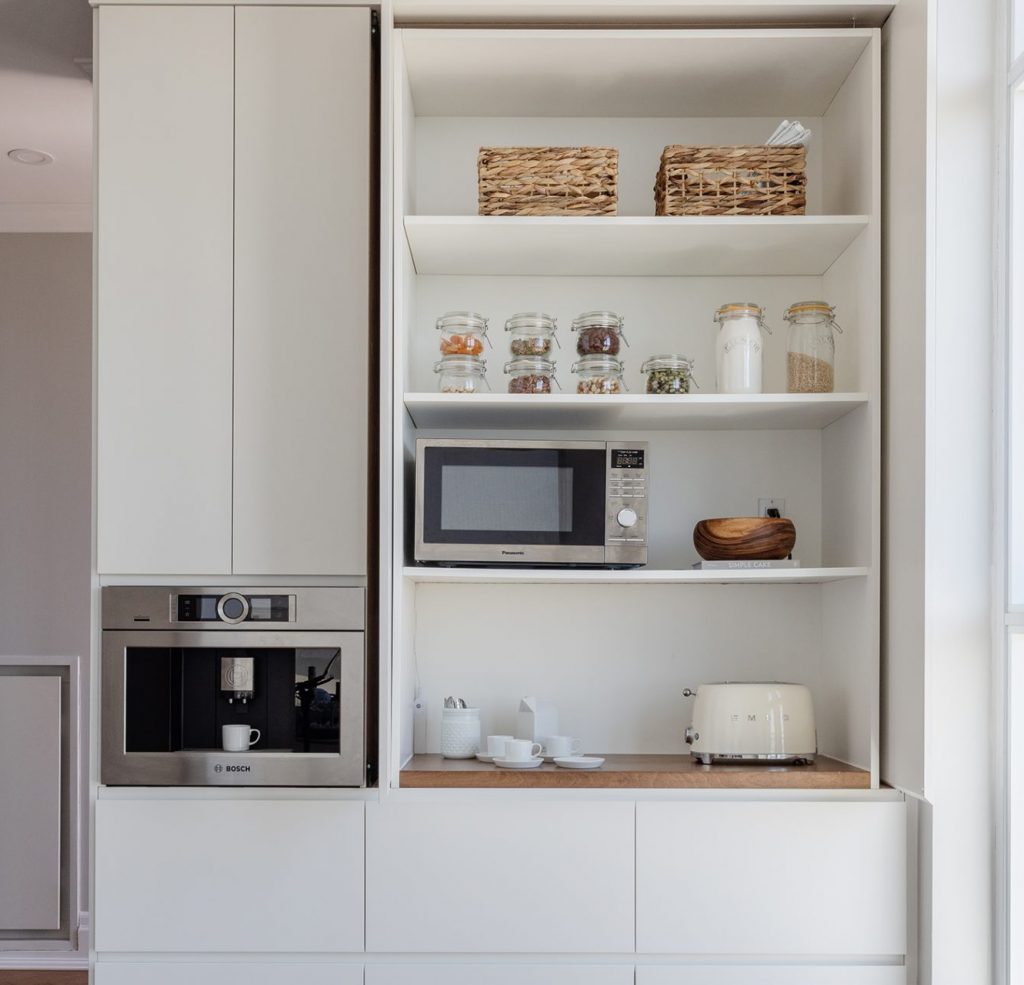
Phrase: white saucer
(552, 759)
(518, 764)
(579, 762)
(484, 757)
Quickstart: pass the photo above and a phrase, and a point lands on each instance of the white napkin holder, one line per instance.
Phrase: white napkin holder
(537, 719)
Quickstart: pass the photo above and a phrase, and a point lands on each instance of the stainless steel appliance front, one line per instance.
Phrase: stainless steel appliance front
(507, 502)
(166, 690)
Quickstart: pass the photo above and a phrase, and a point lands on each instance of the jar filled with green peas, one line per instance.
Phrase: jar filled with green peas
(669, 374)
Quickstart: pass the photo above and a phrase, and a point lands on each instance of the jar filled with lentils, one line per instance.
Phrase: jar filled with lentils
(462, 333)
(461, 374)
(670, 373)
(532, 333)
(530, 374)
(599, 333)
(599, 374)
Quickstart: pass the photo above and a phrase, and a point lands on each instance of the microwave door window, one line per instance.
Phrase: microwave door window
(514, 496)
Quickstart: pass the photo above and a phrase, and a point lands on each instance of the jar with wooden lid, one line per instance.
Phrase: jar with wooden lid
(668, 374)
(532, 333)
(599, 333)
(530, 374)
(599, 374)
(463, 333)
(461, 374)
(811, 347)
(739, 351)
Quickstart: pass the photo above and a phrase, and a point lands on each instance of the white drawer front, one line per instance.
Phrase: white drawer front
(498, 974)
(226, 973)
(771, 878)
(500, 877)
(773, 975)
(241, 875)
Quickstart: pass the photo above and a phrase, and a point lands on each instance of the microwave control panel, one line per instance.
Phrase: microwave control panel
(626, 518)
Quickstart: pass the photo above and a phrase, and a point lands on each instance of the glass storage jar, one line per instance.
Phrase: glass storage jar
(462, 333)
(670, 373)
(530, 374)
(599, 374)
(599, 333)
(533, 333)
(811, 348)
(740, 348)
(461, 374)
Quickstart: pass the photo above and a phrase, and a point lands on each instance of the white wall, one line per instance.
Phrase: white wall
(45, 449)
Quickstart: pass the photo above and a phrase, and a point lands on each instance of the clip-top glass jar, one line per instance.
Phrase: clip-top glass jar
(811, 355)
(599, 374)
(670, 373)
(462, 333)
(461, 374)
(533, 333)
(599, 333)
(530, 374)
(739, 350)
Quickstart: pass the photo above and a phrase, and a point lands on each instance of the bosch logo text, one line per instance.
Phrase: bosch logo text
(231, 769)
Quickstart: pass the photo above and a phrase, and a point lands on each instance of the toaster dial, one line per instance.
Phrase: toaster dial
(690, 735)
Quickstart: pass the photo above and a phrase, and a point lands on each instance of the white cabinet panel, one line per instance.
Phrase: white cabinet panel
(229, 876)
(500, 877)
(226, 973)
(771, 878)
(772, 975)
(164, 309)
(30, 821)
(498, 974)
(302, 278)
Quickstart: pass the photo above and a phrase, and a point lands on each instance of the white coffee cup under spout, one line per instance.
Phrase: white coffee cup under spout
(238, 738)
(758, 720)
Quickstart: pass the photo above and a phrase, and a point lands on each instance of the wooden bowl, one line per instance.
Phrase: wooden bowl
(744, 538)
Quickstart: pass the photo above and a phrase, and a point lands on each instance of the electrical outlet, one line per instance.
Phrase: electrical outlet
(774, 503)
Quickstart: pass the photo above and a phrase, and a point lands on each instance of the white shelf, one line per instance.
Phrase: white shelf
(632, 411)
(630, 246)
(634, 576)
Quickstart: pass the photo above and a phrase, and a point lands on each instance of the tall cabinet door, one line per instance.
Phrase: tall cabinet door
(164, 309)
(302, 276)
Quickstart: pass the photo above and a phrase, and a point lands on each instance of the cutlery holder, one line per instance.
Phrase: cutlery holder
(460, 733)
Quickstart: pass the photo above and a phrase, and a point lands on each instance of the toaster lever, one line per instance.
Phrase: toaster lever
(689, 693)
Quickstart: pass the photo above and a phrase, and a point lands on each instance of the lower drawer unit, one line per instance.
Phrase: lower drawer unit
(262, 972)
(498, 974)
(792, 878)
(751, 974)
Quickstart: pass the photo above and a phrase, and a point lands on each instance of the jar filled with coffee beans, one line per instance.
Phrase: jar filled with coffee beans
(670, 373)
(599, 374)
(463, 333)
(530, 374)
(461, 374)
(532, 333)
(599, 333)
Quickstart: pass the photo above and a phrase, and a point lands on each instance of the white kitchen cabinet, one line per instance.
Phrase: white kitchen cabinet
(772, 878)
(499, 876)
(498, 974)
(233, 289)
(772, 975)
(231, 875)
(302, 280)
(163, 289)
(260, 972)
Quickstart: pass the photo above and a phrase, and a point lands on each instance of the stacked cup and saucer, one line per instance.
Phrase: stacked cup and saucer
(512, 754)
(565, 751)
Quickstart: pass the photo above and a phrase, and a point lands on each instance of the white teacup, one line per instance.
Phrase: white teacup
(496, 744)
(521, 750)
(238, 738)
(562, 745)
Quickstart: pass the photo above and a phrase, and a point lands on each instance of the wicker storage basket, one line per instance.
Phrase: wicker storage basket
(548, 180)
(731, 181)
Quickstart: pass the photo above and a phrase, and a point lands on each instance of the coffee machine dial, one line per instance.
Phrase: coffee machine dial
(233, 608)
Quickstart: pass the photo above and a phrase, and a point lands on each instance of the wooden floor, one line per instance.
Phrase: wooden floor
(44, 977)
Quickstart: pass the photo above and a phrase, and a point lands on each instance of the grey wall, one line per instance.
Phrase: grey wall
(45, 456)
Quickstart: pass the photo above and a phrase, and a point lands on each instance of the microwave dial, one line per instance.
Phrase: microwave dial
(232, 608)
(626, 517)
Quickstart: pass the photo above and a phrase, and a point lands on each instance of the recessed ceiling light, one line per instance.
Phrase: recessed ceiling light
(26, 155)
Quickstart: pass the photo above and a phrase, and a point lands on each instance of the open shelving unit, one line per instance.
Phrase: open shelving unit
(595, 640)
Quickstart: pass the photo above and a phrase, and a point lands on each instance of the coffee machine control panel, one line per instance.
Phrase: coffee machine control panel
(234, 607)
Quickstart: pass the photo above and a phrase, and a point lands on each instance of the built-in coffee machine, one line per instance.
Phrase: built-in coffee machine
(264, 687)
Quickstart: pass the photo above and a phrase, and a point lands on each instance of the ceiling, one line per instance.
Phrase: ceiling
(45, 104)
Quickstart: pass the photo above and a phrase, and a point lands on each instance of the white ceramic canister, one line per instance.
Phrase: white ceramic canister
(740, 347)
(460, 733)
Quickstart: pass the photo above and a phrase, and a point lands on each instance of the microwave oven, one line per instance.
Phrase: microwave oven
(536, 503)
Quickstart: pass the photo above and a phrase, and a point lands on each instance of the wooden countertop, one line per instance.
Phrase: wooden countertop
(642, 771)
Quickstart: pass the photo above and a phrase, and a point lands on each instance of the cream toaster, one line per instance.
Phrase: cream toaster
(763, 720)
